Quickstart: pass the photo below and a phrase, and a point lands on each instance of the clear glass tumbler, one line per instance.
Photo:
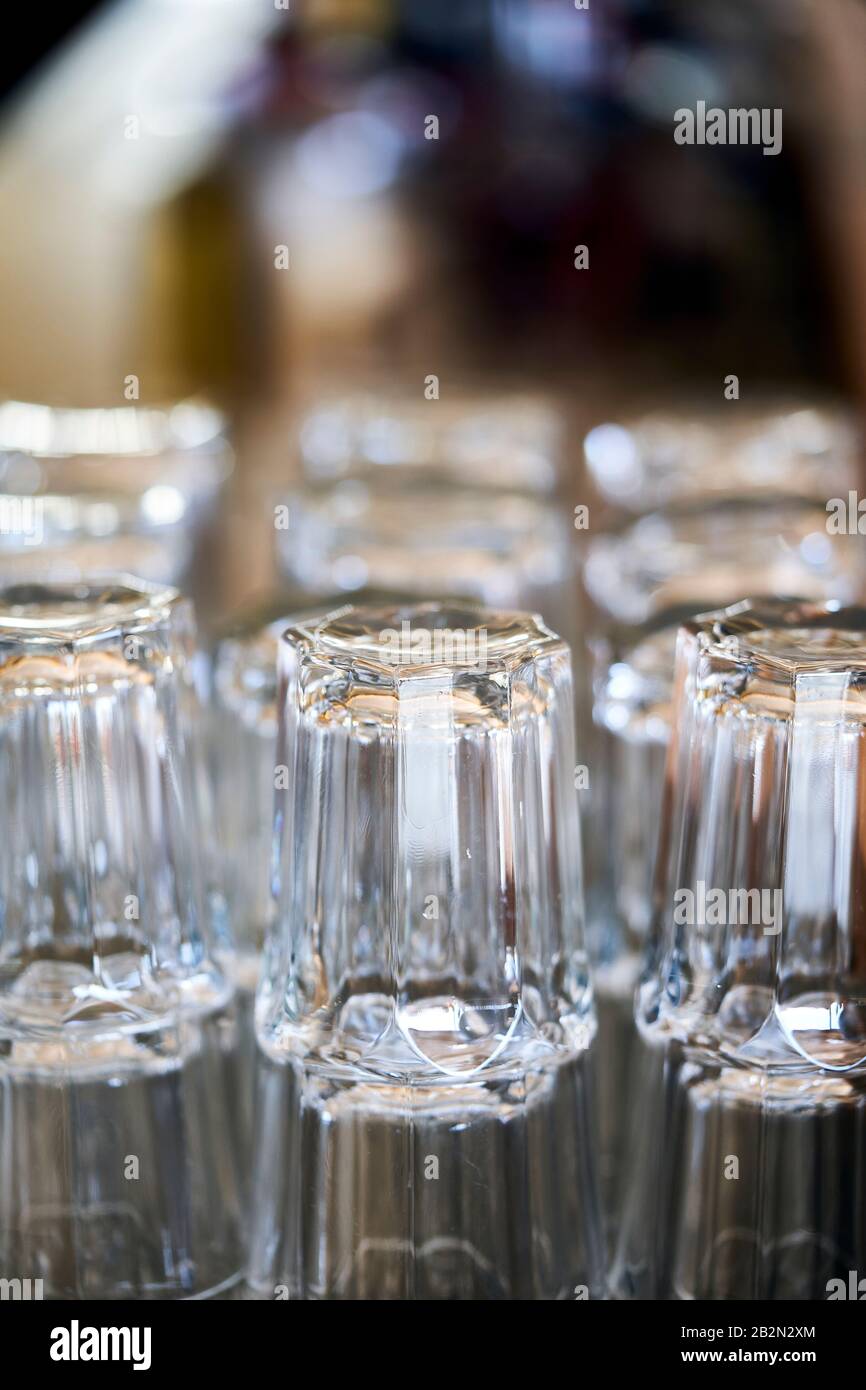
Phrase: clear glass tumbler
(242, 728)
(96, 491)
(458, 497)
(472, 439)
(761, 453)
(682, 560)
(119, 1173)
(668, 566)
(425, 1013)
(749, 1109)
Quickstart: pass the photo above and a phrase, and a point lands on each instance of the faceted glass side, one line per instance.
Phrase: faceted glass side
(425, 990)
(751, 1010)
(116, 1032)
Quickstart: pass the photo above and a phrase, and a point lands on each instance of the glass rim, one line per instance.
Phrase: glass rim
(91, 607)
(792, 636)
(392, 637)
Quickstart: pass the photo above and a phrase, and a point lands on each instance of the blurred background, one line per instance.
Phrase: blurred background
(266, 203)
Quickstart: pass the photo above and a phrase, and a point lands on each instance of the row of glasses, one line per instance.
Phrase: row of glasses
(122, 483)
(425, 1016)
(120, 1173)
(377, 1022)
(419, 890)
(425, 1021)
(752, 1003)
(747, 466)
(737, 505)
(702, 506)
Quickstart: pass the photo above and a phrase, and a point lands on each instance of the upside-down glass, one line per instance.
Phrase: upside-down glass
(672, 564)
(666, 567)
(90, 490)
(425, 1010)
(455, 497)
(644, 580)
(243, 735)
(751, 1106)
(763, 453)
(501, 548)
(119, 1176)
(498, 441)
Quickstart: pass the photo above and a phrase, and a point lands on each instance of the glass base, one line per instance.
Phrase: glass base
(743, 1184)
(119, 1177)
(472, 1190)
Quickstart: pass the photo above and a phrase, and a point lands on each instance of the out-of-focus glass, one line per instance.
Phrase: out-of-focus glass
(425, 1018)
(750, 1099)
(119, 1171)
(683, 559)
(498, 441)
(243, 729)
(95, 491)
(732, 450)
(244, 755)
(501, 549)
(453, 497)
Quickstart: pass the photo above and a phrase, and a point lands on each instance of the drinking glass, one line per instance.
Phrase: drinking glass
(514, 441)
(119, 1177)
(681, 559)
(665, 567)
(425, 1016)
(242, 723)
(94, 491)
(750, 1096)
(455, 497)
(501, 549)
(762, 453)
